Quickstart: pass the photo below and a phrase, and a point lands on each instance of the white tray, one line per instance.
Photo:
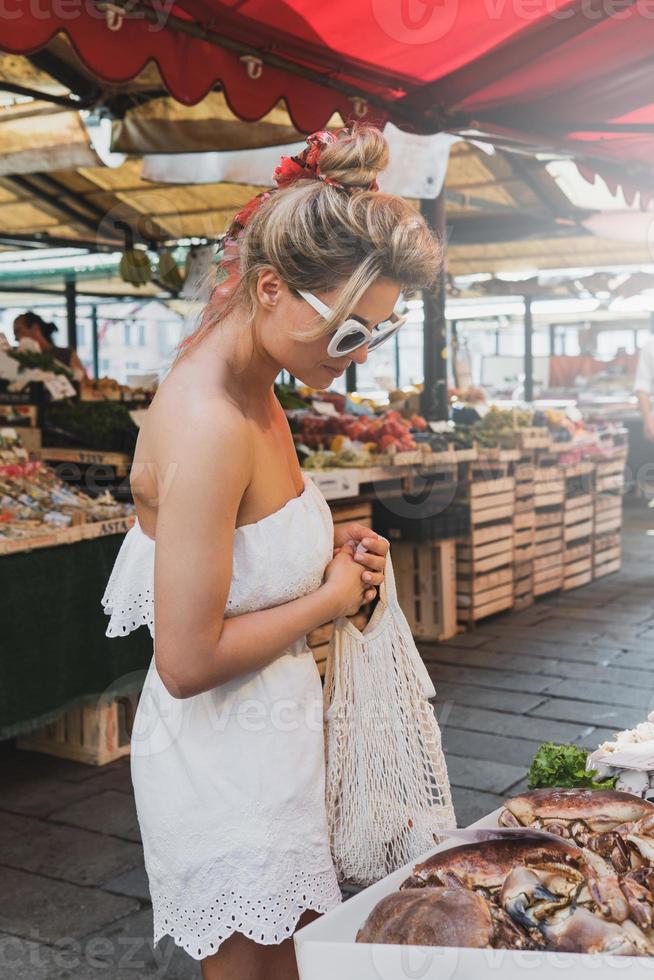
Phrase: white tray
(327, 949)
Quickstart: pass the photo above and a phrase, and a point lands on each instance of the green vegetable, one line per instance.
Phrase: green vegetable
(40, 360)
(105, 426)
(564, 766)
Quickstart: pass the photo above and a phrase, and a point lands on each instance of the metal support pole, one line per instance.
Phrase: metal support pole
(552, 339)
(71, 313)
(434, 402)
(454, 350)
(529, 358)
(351, 377)
(94, 341)
(497, 341)
(396, 342)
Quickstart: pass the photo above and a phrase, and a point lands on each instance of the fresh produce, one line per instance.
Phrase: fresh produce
(288, 397)
(563, 765)
(108, 389)
(33, 500)
(102, 425)
(387, 432)
(30, 360)
(135, 266)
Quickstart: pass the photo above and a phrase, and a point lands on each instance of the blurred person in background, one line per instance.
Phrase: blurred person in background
(643, 386)
(32, 325)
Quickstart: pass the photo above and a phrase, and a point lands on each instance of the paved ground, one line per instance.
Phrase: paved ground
(574, 667)
(74, 902)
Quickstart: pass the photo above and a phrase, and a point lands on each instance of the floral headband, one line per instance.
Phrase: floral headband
(306, 165)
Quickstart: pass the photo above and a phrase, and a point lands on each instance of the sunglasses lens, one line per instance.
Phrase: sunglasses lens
(382, 334)
(350, 341)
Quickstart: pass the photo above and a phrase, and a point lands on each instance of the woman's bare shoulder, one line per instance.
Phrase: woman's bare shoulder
(183, 421)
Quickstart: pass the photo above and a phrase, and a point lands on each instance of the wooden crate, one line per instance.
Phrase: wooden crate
(490, 501)
(524, 530)
(608, 513)
(549, 499)
(610, 475)
(607, 554)
(578, 517)
(425, 580)
(549, 487)
(359, 511)
(483, 595)
(523, 584)
(485, 549)
(534, 437)
(484, 572)
(96, 735)
(484, 558)
(548, 573)
(578, 564)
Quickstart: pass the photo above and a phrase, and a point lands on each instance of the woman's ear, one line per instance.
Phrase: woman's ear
(269, 289)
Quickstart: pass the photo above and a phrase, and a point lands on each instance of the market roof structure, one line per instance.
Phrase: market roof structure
(569, 76)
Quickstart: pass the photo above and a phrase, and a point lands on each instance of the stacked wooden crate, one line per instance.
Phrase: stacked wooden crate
(578, 521)
(609, 489)
(549, 494)
(425, 578)
(524, 527)
(93, 733)
(484, 557)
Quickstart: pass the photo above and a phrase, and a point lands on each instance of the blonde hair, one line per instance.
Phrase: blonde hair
(317, 236)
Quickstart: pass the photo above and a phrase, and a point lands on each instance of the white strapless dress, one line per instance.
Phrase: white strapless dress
(230, 784)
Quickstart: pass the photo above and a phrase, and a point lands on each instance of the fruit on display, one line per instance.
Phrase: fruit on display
(385, 432)
(34, 501)
(108, 389)
(562, 429)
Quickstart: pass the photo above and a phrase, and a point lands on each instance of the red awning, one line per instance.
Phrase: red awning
(568, 75)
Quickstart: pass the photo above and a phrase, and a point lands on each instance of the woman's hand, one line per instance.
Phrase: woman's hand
(343, 580)
(373, 560)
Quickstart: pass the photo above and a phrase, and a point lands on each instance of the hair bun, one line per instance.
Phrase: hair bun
(355, 158)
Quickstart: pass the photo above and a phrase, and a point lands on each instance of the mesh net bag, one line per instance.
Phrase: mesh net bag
(387, 789)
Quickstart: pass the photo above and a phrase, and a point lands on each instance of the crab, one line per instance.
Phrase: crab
(582, 932)
(617, 826)
(484, 866)
(440, 917)
(549, 894)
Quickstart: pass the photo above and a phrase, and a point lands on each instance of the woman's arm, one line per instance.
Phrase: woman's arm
(205, 466)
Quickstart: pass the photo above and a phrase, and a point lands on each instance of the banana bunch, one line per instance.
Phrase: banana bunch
(135, 266)
(169, 274)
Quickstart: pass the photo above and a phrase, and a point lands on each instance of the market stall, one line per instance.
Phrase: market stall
(57, 546)
(485, 514)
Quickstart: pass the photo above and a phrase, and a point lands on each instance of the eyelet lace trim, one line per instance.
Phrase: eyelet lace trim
(268, 920)
(135, 609)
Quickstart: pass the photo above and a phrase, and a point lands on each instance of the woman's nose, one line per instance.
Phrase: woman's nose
(360, 355)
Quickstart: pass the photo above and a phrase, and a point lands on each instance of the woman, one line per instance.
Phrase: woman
(34, 326)
(227, 749)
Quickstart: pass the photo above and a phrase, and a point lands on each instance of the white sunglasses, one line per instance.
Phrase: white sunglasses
(353, 334)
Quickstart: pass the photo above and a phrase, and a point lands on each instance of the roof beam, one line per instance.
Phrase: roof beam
(68, 76)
